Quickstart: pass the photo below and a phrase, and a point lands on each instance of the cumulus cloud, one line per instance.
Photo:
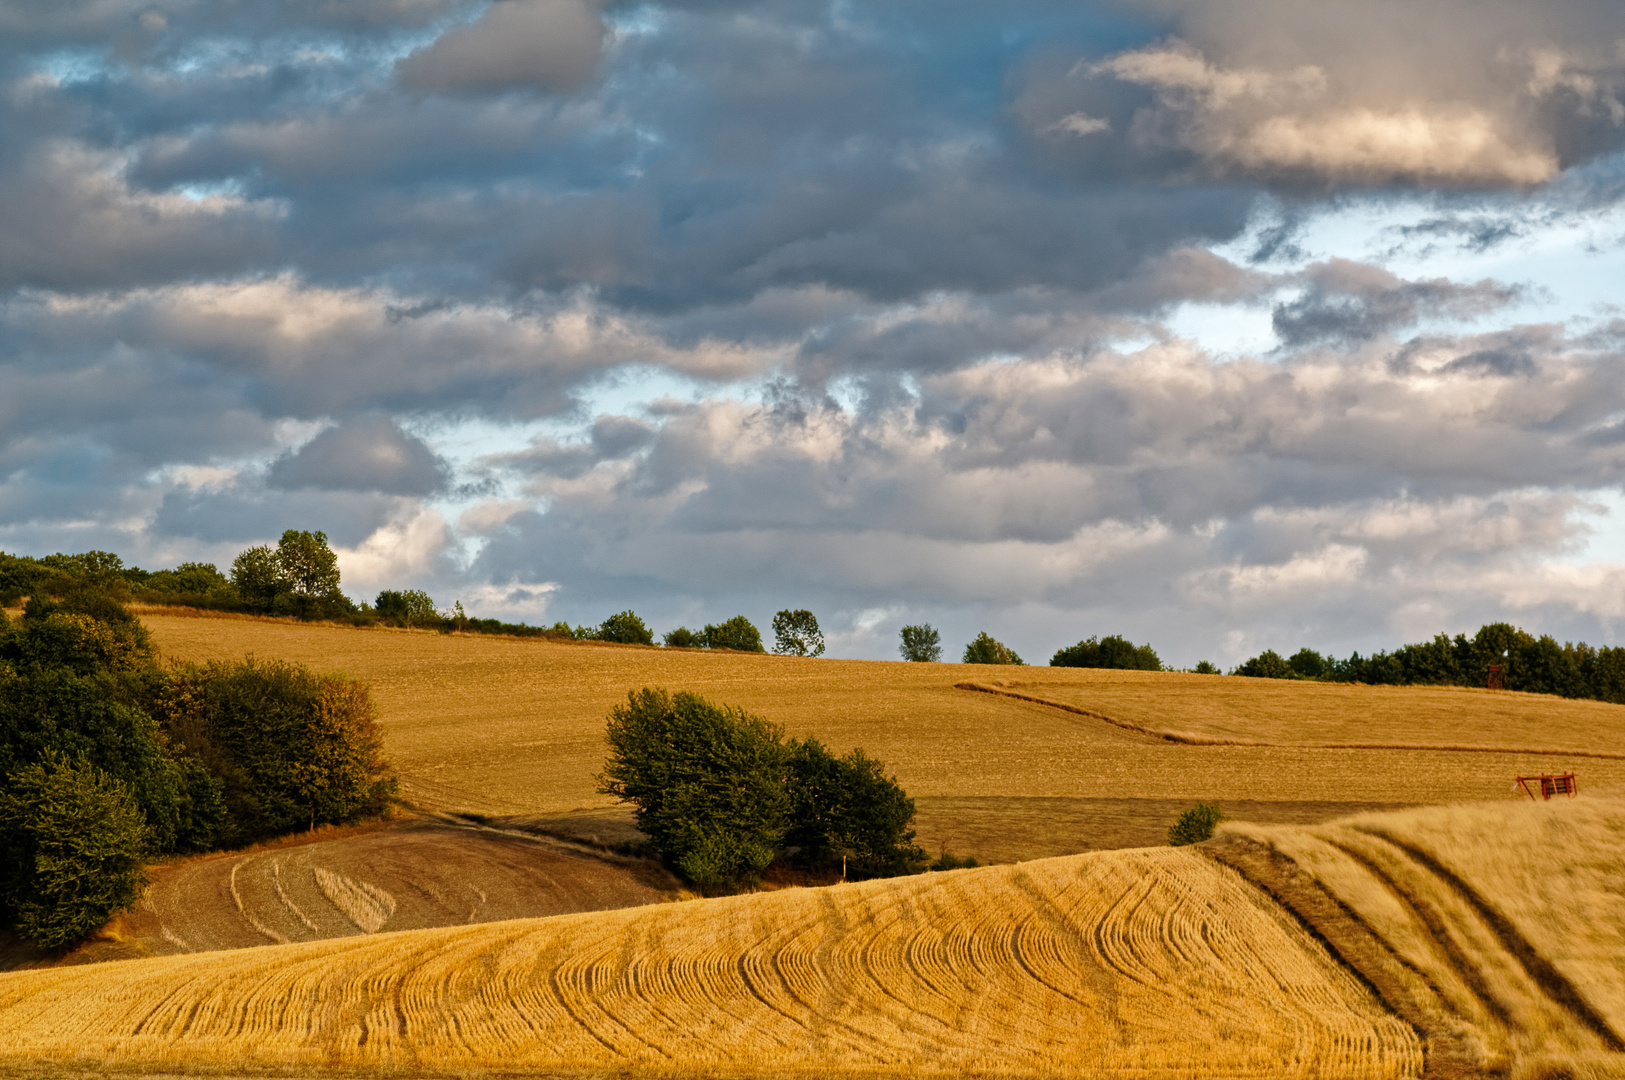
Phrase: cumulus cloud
(366, 453)
(535, 44)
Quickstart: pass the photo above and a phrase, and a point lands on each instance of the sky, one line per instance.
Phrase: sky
(1219, 324)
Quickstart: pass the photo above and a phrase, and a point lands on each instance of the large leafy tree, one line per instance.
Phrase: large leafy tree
(308, 564)
(257, 577)
(707, 782)
(1111, 651)
(625, 628)
(796, 633)
(846, 808)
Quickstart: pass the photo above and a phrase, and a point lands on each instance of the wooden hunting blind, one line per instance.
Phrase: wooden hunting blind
(1548, 785)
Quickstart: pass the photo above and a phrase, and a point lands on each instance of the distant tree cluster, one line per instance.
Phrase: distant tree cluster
(1536, 665)
(107, 758)
(1111, 651)
(721, 794)
(986, 650)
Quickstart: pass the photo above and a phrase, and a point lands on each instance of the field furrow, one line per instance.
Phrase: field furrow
(1129, 963)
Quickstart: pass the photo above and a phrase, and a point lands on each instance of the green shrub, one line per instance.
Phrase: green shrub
(985, 650)
(683, 638)
(1112, 651)
(1194, 825)
(72, 838)
(625, 628)
(706, 781)
(1206, 667)
(413, 607)
(292, 748)
(738, 633)
(921, 644)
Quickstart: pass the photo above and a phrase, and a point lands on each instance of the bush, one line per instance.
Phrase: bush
(413, 607)
(985, 650)
(921, 644)
(1205, 667)
(683, 638)
(847, 808)
(1194, 825)
(72, 839)
(1111, 651)
(1306, 663)
(292, 748)
(625, 628)
(707, 783)
(738, 633)
(1266, 665)
(796, 633)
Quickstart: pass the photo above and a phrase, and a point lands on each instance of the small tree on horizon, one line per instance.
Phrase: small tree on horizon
(921, 644)
(796, 633)
(625, 628)
(986, 650)
(738, 633)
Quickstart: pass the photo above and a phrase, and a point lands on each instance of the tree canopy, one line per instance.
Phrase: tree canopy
(985, 650)
(920, 644)
(796, 633)
(1111, 651)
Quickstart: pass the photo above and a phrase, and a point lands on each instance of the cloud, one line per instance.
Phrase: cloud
(516, 44)
(367, 453)
(1350, 302)
(1449, 93)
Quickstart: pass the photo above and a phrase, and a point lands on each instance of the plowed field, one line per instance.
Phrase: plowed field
(1134, 963)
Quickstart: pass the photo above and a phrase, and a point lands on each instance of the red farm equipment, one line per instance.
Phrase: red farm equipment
(1549, 785)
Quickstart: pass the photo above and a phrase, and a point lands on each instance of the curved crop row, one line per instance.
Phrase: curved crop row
(1138, 963)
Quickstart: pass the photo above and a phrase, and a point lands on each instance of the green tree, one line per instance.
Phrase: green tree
(292, 748)
(1205, 667)
(796, 633)
(683, 638)
(1112, 651)
(308, 565)
(985, 650)
(72, 838)
(625, 628)
(189, 579)
(257, 576)
(921, 644)
(412, 607)
(1306, 663)
(1266, 665)
(846, 808)
(1194, 825)
(738, 633)
(706, 782)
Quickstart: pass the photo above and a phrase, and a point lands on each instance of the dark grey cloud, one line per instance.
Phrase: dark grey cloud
(244, 512)
(365, 453)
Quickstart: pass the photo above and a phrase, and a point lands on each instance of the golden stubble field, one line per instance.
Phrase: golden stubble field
(508, 726)
(1147, 963)
(1497, 930)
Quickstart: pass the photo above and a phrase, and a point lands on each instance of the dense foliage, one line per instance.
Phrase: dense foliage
(985, 650)
(1111, 651)
(106, 758)
(1194, 825)
(625, 628)
(1537, 665)
(796, 633)
(920, 644)
(682, 638)
(738, 633)
(720, 794)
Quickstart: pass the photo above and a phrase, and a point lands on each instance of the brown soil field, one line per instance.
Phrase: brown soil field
(511, 726)
(1497, 930)
(396, 876)
(1130, 963)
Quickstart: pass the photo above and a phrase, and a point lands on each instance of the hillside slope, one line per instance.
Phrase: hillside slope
(515, 726)
(1498, 930)
(1134, 963)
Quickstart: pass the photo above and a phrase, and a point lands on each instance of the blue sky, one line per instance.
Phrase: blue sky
(1222, 325)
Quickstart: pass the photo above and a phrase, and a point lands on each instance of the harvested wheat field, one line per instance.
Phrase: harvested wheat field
(1498, 930)
(1136, 963)
(510, 726)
